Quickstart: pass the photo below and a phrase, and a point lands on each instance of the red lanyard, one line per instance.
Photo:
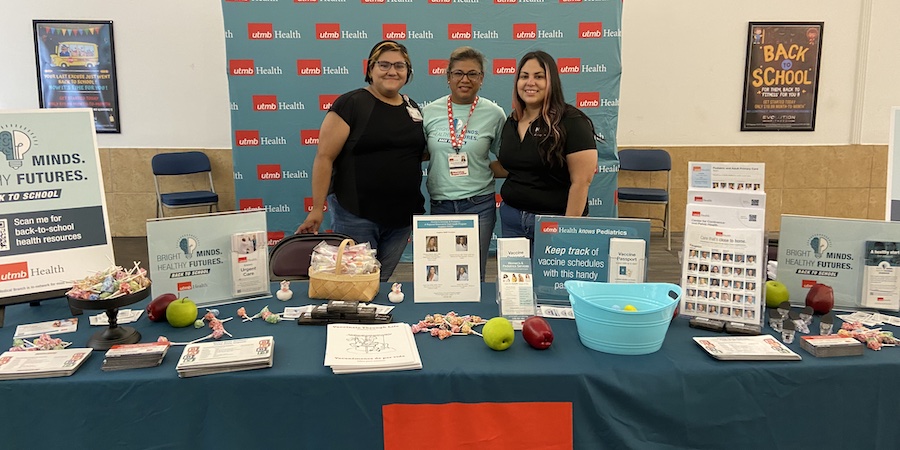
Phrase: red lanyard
(458, 143)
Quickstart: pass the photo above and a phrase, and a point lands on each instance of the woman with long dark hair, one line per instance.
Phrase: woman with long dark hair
(547, 146)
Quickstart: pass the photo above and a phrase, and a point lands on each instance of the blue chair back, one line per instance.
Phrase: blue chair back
(644, 160)
(180, 163)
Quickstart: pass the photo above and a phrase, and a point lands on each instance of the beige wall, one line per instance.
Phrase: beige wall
(846, 181)
(130, 193)
(834, 181)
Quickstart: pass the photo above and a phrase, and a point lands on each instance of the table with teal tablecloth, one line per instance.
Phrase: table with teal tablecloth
(678, 397)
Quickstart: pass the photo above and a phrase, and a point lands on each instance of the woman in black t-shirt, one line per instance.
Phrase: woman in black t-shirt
(548, 148)
(369, 160)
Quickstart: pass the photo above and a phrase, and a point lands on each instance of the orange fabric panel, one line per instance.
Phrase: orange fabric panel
(526, 425)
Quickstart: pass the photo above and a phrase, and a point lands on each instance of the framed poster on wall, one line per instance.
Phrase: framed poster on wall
(781, 81)
(76, 68)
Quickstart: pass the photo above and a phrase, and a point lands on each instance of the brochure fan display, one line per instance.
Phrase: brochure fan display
(114, 334)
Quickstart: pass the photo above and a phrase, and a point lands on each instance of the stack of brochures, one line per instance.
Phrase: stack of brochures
(205, 358)
(831, 346)
(135, 356)
(42, 363)
(352, 348)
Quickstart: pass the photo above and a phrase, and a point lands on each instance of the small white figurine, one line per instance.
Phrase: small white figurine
(395, 296)
(284, 294)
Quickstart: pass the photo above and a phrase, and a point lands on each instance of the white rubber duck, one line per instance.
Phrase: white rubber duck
(284, 294)
(395, 296)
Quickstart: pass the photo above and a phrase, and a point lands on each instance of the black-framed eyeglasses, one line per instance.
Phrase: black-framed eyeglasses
(472, 74)
(399, 66)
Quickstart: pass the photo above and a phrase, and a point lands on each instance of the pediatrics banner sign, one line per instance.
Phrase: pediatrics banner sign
(577, 248)
(288, 60)
(53, 223)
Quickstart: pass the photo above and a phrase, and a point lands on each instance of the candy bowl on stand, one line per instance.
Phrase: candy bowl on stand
(114, 334)
(108, 291)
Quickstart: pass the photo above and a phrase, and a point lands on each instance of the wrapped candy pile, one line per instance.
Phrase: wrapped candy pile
(357, 259)
(44, 342)
(874, 339)
(110, 283)
(443, 326)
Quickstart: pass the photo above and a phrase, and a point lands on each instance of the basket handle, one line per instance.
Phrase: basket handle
(340, 254)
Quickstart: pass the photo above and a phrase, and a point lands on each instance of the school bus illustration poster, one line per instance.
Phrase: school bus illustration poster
(77, 69)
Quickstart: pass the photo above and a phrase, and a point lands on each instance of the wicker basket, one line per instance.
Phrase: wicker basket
(339, 286)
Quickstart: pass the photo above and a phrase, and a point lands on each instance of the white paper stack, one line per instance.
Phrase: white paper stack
(352, 348)
(135, 356)
(42, 363)
(232, 355)
(746, 348)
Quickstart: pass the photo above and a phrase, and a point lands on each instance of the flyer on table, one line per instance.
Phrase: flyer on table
(577, 248)
(446, 258)
(53, 222)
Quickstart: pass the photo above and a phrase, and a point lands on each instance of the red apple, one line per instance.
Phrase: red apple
(821, 298)
(156, 309)
(537, 333)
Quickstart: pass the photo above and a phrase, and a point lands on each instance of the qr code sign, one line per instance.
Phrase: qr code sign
(753, 217)
(4, 236)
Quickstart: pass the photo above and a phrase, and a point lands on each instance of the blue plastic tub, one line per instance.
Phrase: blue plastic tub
(604, 326)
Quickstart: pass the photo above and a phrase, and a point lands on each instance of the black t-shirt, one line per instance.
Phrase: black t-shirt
(532, 184)
(379, 175)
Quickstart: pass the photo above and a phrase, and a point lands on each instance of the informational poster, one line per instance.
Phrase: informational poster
(76, 67)
(723, 273)
(727, 176)
(829, 251)
(881, 275)
(192, 256)
(53, 222)
(781, 82)
(446, 258)
(577, 248)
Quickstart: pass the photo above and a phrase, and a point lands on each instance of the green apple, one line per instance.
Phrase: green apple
(498, 333)
(181, 313)
(776, 292)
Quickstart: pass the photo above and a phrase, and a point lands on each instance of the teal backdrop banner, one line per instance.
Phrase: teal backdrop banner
(287, 60)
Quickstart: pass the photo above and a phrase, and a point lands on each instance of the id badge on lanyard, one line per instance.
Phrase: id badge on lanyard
(458, 164)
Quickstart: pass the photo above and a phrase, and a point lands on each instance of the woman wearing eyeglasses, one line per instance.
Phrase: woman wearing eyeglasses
(368, 162)
(548, 148)
(463, 131)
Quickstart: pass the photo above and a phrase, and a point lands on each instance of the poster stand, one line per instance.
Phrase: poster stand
(53, 223)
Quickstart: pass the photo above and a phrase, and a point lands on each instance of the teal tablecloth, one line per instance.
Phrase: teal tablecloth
(677, 397)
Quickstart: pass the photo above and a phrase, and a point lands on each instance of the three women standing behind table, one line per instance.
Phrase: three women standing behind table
(548, 148)
(368, 162)
(463, 131)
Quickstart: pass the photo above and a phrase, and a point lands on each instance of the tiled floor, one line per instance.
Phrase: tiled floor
(663, 267)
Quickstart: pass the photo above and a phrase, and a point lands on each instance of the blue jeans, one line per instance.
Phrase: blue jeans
(389, 241)
(485, 207)
(516, 223)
